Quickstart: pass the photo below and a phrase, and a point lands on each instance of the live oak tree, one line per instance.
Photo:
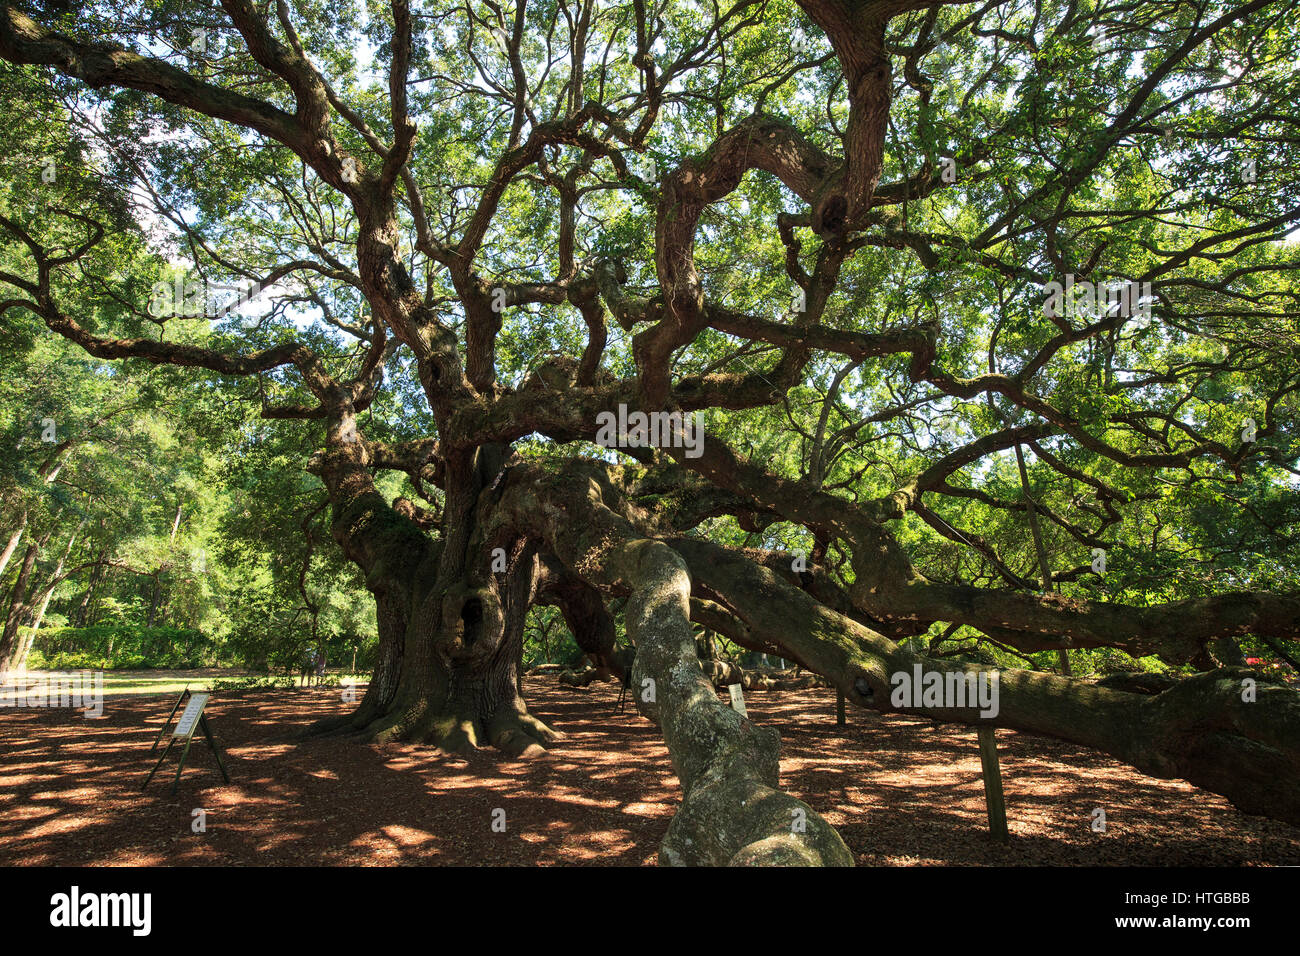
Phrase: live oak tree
(832, 228)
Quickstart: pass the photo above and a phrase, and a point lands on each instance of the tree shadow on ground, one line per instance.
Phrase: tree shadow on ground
(900, 789)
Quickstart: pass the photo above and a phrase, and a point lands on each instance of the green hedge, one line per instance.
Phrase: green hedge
(271, 682)
(118, 647)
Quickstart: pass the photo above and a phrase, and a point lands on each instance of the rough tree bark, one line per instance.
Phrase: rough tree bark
(732, 810)
(450, 628)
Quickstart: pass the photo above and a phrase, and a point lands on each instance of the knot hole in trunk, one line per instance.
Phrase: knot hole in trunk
(471, 621)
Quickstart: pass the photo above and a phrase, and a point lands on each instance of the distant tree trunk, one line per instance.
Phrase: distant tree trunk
(17, 607)
(157, 575)
(13, 543)
(153, 598)
(25, 646)
(97, 575)
(1031, 512)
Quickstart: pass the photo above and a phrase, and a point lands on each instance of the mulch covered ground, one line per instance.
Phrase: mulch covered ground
(899, 790)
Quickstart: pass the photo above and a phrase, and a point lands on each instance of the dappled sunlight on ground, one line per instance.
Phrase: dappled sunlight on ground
(899, 789)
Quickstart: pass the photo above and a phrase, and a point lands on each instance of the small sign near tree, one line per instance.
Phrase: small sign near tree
(191, 719)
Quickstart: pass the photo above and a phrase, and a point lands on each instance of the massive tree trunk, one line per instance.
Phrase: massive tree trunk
(450, 627)
(451, 621)
(451, 642)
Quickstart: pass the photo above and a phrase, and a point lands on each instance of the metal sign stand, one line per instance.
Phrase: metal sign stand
(627, 687)
(185, 695)
(192, 719)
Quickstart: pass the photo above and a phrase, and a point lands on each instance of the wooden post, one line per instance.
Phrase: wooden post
(993, 785)
(839, 709)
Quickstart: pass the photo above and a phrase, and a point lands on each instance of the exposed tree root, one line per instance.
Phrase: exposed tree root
(732, 810)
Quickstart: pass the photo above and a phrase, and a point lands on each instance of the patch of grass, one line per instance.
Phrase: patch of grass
(171, 683)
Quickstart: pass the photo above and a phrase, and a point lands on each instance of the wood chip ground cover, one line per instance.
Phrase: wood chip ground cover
(900, 790)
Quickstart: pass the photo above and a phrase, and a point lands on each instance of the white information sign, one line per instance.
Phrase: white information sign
(737, 699)
(185, 726)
